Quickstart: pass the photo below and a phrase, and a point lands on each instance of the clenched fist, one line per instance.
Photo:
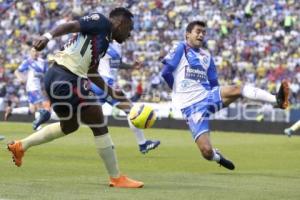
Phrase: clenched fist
(40, 43)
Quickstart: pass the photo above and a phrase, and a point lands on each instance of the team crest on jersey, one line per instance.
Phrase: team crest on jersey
(92, 17)
(205, 60)
(95, 17)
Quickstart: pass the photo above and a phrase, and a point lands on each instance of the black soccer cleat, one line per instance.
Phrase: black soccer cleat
(224, 162)
(282, 96)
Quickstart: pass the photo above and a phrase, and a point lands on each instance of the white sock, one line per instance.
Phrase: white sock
(20, 110)
(295, 126)
(54, 116)
(46, 134)
(216, 157)
(37, 115)
(258, 94)
(106, 151)
(139, 134)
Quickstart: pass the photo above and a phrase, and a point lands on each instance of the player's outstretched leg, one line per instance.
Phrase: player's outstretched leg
(232, 93)
(291, 130)
(93, 117)
(144, 145)
(46, 134)
(204, 145)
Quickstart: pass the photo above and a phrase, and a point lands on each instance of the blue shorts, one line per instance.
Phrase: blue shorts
(67, 91)
(102, 96)
(197, 115)
(36, 96)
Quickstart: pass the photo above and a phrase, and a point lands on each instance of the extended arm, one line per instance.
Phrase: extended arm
(170, 62)
(167, 74)
(136, 64)
(62, 29)
(20, 76)
(212, 74)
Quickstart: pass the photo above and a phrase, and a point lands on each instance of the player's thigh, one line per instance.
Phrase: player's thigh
(198, 123)
(69, 125)
(230, 93)
(92, 116)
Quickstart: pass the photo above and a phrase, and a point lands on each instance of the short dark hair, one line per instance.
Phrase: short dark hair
(121, 11)
(192, 24)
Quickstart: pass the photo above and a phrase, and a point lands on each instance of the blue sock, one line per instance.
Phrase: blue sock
(44, 117)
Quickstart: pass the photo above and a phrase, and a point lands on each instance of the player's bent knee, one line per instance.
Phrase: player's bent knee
(100, 131)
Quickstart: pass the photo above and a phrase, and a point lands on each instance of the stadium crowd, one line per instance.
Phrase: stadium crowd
(254, 42)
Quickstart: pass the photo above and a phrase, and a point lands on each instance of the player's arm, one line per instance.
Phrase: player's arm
(98, 80)
(212, 74)
(170, 63)
(136, 64)
(21, 70)
(20, 76)
(167, 74)
(62, 29)
(90, 24)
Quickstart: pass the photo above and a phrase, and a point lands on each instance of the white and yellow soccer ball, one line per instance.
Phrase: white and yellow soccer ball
(142, 116)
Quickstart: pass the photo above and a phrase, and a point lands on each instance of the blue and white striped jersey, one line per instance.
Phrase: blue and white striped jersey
(190, 72)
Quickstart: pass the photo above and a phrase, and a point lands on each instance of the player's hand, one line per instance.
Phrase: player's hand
(40, 43)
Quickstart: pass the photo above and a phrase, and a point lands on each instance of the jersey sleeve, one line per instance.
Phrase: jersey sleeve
(46, 66)
(24, 66)
(212, 74)
(93, 23)
(173, 58)
(170, 62)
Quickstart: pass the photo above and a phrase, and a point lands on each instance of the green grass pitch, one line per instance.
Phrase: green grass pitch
(267, 167)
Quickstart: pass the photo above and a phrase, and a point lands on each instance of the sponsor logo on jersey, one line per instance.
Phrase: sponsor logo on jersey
(195, 73)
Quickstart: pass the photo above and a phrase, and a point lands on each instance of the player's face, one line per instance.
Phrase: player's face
(34, 54)
(122, 30)
(196, 37)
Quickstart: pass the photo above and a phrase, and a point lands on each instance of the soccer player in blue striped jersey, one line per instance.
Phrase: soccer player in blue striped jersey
(190, 72)
(32, 71)
(68, 88)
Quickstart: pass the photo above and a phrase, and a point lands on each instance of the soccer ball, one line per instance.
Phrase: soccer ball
(142, 116)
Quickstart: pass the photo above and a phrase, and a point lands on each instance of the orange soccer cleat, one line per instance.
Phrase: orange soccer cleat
(15, 147)
(125, 182)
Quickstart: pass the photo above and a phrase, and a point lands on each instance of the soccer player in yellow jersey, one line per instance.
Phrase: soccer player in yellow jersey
(68, 87)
